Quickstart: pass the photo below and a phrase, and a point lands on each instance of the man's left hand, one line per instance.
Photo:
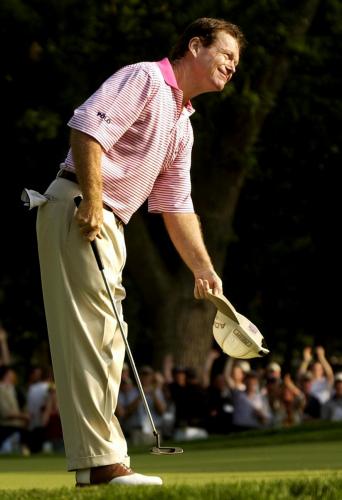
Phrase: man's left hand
(206, 281)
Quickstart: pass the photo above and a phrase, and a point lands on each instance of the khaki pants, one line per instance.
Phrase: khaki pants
(86, 345)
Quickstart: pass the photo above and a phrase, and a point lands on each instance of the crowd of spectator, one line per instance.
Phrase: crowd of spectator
(229, 395)
(29, 416)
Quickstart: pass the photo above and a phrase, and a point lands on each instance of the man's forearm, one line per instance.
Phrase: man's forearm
(327, 369)
(87, 153)
(185, 233)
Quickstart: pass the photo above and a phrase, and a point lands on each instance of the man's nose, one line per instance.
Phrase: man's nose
(232, 66)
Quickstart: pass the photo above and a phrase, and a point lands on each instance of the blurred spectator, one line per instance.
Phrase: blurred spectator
(251, 409)
(311, 405)
(196, 400)
(132, 408)
(169, 415)
(273, 370)
(37, 396)
(12, 419)
(168, 366)
(128, 403)
(177, 389)
(53, 437)
(35, 374)
(322, 373)
(291, 403)
(5, 357)
(332, 409)
(273, 393)
(220, 406)
(194, 410)
(234, 373)
(152, 384)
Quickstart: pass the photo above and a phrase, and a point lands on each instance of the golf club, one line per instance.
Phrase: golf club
(158, 449)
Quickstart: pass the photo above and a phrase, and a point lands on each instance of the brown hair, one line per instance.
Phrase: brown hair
(206, 29)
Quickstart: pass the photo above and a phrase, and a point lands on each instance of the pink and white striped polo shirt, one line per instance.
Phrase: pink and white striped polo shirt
(138, 117)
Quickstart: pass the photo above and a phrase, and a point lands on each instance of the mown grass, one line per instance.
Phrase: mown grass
(304, 462)
(304, 489)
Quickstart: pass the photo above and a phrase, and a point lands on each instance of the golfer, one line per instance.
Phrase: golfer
(130, 141)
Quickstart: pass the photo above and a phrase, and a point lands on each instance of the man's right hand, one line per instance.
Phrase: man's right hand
(87, 156)
(89, 217)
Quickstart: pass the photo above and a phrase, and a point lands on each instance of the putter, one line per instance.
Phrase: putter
(158, 449)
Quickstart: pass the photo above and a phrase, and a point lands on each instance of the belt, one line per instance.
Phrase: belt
(71, 176)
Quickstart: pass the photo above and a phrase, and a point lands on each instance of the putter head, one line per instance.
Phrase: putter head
(165, 450)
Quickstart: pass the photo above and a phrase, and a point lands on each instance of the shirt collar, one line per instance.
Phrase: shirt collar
(170, 78)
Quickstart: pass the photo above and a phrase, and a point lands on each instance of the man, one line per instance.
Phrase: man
(251, 409)
(273, 370)
(322, 373)
(130, 141)
(12, 419)
(332, 409)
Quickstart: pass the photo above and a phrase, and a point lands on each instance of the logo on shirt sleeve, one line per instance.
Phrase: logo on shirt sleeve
(103, 116)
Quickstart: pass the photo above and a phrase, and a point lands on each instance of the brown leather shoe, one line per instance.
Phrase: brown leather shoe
(104, 474)
(113, 474)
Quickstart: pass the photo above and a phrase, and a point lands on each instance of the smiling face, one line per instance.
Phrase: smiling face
(216, 64)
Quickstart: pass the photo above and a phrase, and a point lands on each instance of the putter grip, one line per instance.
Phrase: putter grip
(93, 244)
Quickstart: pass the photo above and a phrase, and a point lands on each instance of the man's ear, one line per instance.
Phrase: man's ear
(194, 45)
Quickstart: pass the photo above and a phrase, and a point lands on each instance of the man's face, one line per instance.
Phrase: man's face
(216, 64)
(252, 384)
(317, 370)
(338, 388)
(273, 373)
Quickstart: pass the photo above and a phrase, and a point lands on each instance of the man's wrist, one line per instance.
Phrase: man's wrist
(205, 268)
(93, 201)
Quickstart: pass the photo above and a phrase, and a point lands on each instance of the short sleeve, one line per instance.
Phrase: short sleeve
(115, 106)
(172, 189)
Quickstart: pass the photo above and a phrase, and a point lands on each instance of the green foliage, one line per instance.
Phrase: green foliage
(41, 125)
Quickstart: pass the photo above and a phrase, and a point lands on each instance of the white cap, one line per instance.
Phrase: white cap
(274, 367)
(234, 333)
(245, 366)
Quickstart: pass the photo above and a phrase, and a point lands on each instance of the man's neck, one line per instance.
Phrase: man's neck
(180, 71)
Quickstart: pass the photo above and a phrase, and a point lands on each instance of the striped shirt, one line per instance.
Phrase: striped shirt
(138, 117)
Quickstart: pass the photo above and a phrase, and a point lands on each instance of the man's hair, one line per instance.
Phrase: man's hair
(206, 29)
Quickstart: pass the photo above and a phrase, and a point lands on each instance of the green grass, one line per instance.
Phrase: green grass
(325, 489)
(303, 463)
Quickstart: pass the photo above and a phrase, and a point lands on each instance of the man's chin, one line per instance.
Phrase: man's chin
(220, 86)
(216, 86)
